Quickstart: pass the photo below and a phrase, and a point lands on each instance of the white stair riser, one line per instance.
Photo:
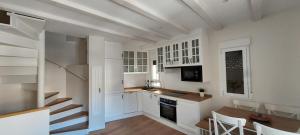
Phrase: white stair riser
(78, 132)
(66, 113)
(68, 123)
(18, 71)
(50, 99)
(16, 79)
(60, 105)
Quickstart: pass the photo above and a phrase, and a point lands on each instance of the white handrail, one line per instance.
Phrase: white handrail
(66, 69)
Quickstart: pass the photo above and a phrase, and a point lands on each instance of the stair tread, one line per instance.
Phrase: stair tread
(76, 127)
(50, 94)
(73, 116)
(69, 107)
(57, 101)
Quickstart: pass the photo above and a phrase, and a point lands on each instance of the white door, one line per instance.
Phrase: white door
(130, 102)
(96, 99)
(113, 76)
(114, 106)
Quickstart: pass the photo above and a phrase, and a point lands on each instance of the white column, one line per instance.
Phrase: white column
(41, 71)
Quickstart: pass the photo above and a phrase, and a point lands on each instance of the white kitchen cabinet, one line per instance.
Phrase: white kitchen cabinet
(113, 76)
(189, 113)
(114, 106)
(150, 103)
(130, 102)
(186, 52)
(113, 50)
(135, 62)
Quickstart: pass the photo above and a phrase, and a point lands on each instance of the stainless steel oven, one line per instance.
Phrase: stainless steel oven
(168, 109)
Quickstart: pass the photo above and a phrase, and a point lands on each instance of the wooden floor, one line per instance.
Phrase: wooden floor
(139, 125)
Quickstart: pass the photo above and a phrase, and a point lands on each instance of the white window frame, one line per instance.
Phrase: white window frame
(235, 45)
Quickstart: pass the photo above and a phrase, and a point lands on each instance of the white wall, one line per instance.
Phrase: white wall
(274, 56)
(28, 123)
(78, 88)
(55, 79)
(13, 98)
(65, 52)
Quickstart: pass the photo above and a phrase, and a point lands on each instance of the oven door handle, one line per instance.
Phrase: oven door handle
(167, 104)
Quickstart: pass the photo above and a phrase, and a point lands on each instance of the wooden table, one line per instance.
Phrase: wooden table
(286, 124)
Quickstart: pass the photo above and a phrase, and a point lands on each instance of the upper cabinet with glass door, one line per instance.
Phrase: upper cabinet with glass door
(135, 62)
(183, 53)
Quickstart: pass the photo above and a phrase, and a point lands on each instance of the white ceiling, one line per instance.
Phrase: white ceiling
(143, 20)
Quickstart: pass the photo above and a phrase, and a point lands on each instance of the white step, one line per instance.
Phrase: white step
(60, 105)
(50, 99)
(18, 71)
(17, 61)
(16, 79)
(77, 132)
(68, 123)
(17, 51)
(15, 40)
(65, 113)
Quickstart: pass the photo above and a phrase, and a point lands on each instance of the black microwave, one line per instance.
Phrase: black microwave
(191, 73)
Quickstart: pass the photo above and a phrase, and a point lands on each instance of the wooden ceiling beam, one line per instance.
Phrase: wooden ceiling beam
(104, 16)
(48, 16)
(149, 13)
(199, 8)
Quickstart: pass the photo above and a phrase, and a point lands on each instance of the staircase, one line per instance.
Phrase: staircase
(66, 118)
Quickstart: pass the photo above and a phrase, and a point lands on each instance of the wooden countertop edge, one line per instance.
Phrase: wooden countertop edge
(22, 112)
(200, 99)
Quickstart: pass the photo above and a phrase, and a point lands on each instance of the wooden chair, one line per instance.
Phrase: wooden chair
(283, 111)
(264, 130)
(225, 121)
(246, 105)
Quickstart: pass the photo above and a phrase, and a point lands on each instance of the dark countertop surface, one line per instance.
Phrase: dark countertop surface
(172, 93)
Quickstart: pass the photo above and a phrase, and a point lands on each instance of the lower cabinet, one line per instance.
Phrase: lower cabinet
(130, 102)
(114, 106)
(120, 105)
(188, 114)
(150, 103)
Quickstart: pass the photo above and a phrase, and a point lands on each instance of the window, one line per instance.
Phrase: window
(235, 70)
(155, 75)
(134, 62)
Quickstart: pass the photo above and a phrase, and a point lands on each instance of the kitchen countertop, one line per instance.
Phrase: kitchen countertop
(161, 91)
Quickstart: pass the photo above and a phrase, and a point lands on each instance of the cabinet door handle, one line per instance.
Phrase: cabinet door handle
(99, 90)
(122, 96)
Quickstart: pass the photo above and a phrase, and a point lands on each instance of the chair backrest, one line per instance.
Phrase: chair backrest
(223, 120)
(247, 105)
(264, 130)
(283, 111)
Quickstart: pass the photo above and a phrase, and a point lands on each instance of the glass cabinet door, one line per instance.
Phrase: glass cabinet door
(175, 53)
(128, 61)
(160, 56)
(195, 51)
(168, 55)
(185, 53)
(142, 62)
